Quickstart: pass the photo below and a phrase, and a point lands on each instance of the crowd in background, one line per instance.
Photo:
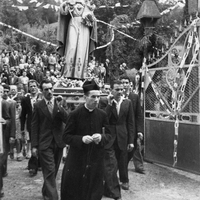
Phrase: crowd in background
(17, 67)
(22, 72)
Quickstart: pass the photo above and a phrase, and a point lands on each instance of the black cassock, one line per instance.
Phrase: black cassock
(82, 177)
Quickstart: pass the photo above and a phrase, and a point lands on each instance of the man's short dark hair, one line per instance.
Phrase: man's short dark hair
(32, 81)
(125, 77)
(46, 81)
(6, 86)
(118, 82)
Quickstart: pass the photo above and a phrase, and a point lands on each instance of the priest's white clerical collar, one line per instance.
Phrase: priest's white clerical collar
(90, 110)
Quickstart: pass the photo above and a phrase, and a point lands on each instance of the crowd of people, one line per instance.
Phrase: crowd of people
(17, 67)
(102, 135)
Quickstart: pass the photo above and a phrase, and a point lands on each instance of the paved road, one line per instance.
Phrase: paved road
(159, 183)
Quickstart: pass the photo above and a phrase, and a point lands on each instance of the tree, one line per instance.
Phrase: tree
(122, 49)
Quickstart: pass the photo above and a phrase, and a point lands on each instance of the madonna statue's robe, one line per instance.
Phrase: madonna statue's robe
(82, 177)
(75, 40)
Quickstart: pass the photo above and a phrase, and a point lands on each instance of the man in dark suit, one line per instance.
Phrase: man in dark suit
(14, 59)
(139, 123)
(46, 137)
(38, 75)
(6, 126)
(13, 79)
(121, 123)
(27, 104)
(11, 127)
(27, 108)
(106, 65)
(31, 74)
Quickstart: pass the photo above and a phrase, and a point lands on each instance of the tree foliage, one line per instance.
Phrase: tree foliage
(37, 21)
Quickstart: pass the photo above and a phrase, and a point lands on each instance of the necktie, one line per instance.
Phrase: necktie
(50, 107)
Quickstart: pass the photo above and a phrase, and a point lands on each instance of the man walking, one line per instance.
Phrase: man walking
(10, 127)
(46, 137)
(7, 125)
(121, 123)
(26, 116)
(136, 154)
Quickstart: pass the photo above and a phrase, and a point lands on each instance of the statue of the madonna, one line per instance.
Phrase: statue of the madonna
(77, 36)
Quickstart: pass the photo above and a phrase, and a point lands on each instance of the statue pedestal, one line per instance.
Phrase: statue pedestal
(71, 95)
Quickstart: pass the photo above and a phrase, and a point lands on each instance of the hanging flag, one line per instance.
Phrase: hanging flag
(57, 8)
(117, 4)
(20, 7)
(46, 6)
(38, 4)
(32, 1)
(20, 1)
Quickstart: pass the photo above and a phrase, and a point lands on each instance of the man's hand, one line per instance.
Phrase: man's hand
(140, 135)
(59, 98)
(130, 147)
(87, 139)
(34, 152)
(3, 121)
(110, 99)
(12, 140)
(96, 138)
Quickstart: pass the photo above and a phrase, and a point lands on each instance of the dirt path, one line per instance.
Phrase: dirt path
(159, 183)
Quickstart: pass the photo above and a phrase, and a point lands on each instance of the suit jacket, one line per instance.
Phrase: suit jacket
(30, 76)
(26, 114)
(9, 128)
(38, 76)
(13, 61)
(13, 81)
(137, 110)
(122, 126)
(46, 127)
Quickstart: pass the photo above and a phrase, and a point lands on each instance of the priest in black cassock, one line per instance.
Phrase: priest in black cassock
(87, 133)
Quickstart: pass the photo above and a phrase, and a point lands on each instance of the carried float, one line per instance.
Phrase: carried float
(70, 90)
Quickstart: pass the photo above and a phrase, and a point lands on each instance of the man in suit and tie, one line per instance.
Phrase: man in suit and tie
(121, 123)
(46, 137)
(139, 123)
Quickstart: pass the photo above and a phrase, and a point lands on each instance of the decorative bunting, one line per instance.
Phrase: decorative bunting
(112, 39)
(20, 1)
(26, 34)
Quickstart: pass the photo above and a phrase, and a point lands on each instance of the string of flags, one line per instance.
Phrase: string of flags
(179, 3)
(38, 4)
(26, 34)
